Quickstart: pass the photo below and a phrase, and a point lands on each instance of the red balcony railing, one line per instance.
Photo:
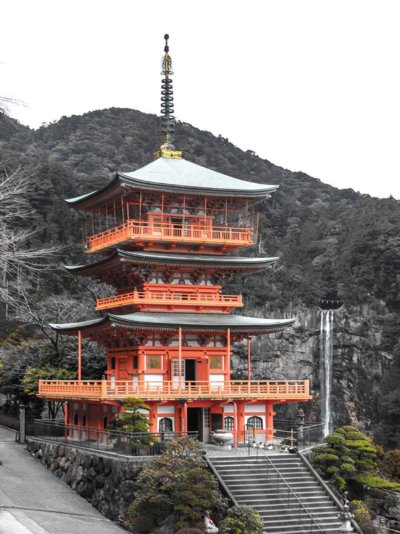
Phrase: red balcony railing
(170, 298)
(289, 390)
(171, 232)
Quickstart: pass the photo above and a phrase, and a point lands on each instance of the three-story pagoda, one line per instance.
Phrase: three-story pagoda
(166, 233)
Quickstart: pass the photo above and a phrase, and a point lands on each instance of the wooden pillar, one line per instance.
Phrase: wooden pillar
(79, 355)
(249, 360)
(235, 425)
(180, 359)
(269, 421)
(184, 417)
(228, 353)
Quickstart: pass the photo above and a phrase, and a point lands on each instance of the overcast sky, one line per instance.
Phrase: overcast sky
(311, 85)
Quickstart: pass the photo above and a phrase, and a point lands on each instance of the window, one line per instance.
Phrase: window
(84, 420)
(76, 419)
(255, 423)
(228, 423)
(153, 362)
(215, 362)
(135, 362)
(113, 362)
(105, 422)
(165, 424)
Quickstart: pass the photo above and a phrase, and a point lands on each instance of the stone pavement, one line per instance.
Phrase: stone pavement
(34, 501)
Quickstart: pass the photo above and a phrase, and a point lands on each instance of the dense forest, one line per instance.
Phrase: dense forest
(331, 243)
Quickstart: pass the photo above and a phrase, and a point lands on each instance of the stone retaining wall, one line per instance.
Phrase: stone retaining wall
(108, 483)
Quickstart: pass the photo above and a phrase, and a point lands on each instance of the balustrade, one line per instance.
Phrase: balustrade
(175, 232)
(119, 389)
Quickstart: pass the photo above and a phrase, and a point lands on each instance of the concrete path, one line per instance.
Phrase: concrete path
(34, 501)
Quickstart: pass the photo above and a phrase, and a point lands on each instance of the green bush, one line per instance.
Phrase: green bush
(335, 439)
(348, 469)
(326, 460)
(361, 514)
(242, 520)
(372, 480)
(349, 460)
(177, 485)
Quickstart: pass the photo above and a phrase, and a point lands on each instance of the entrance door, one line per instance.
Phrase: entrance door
(195, 421)
(175, 373)
(190, 370)
(123, 369)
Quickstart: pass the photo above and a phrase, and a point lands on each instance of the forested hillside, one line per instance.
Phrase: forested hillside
(330, 241)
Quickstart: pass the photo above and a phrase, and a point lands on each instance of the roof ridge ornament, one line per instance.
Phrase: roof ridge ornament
(167, 149)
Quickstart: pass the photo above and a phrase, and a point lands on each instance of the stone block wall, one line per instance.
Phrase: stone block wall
(108, 483)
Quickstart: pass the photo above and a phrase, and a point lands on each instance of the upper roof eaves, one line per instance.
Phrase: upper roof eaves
(179, 176)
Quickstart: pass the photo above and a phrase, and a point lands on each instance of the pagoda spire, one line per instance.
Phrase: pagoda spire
(167, 149)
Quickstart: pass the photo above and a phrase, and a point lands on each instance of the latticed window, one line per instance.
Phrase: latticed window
(228, 423)
(153, 362)
(255, 423)
(165, 425)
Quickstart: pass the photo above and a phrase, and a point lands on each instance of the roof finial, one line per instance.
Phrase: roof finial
(167, 149)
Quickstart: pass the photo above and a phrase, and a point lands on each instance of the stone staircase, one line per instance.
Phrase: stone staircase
(282, 490)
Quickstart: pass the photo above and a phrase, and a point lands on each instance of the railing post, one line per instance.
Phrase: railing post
(22, 423)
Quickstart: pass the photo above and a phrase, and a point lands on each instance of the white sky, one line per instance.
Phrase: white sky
(312, 85)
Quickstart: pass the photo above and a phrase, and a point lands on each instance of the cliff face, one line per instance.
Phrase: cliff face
(359, 361)
(330, 242)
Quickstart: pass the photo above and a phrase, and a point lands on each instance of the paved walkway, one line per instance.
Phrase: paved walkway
(34, 501)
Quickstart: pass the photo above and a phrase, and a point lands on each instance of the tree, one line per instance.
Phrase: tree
(30, 383)
(176, 487)
(132, 418)
(19, 262)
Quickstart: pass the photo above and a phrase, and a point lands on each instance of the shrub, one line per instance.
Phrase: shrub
(190, 531)
(242, 520)
(177, 485)
(350, 460)
(372, 480)
(361, 514)
(341, 483)
(326, 460)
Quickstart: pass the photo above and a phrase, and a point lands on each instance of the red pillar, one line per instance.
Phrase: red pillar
(269, 420)
(184, 418)
(248, 360)
(235, 425)
(180, 359)
(79, 355)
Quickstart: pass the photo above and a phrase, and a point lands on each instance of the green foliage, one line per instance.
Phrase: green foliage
(355, 461)
(30, 382)
(242, 520)
(326, 460)
(131, 418)
(176, 485)
(361, 514)
(374, 481)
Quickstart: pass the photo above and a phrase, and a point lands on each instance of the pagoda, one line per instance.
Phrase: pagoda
(166, 235)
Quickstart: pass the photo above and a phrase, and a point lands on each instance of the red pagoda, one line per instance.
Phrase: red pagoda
(163, 232)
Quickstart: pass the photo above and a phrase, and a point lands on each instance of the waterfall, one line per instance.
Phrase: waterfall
(326, 346)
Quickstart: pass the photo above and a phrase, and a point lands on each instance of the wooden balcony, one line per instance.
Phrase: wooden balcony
(171, 299)
(279, 390)
(188, 234)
